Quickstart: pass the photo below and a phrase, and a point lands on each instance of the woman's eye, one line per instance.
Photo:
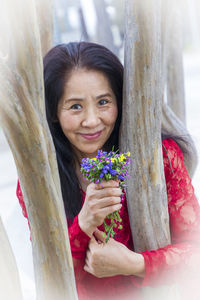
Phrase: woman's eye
(103, 101)
(76, 107)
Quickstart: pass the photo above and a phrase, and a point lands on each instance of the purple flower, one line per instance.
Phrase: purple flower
(86, 166)
(113, 172)
(103, 172)
(120, 177)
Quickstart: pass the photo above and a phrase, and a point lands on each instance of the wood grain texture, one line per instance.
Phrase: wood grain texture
(44, 10)
(22, 116)
(141, 125)
(175, 73)
(104, 33)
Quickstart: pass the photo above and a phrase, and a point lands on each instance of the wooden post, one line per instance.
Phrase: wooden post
(104, 32)
(175, 75)
(22, 116)
(173, 110)
(141, 125)
(44, 9)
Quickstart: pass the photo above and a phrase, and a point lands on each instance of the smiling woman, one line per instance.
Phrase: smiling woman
(83, 94)
(87, 111)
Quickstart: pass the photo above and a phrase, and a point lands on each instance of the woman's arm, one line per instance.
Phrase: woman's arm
(112, 258)
(167, 264)
(181, 259)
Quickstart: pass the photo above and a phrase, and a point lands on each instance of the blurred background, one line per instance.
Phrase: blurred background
(99, 21)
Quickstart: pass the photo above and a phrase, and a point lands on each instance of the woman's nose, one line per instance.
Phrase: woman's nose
(91, 118)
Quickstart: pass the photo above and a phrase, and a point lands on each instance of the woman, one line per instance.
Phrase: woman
(83, 94)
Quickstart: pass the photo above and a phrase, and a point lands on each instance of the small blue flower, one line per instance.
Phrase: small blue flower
(113, 172)
(103, 173)
(86, 167)
(120, 177)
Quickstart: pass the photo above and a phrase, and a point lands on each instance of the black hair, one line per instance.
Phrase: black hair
(59, 62)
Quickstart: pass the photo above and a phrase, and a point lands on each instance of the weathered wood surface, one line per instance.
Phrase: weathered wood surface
(141, 125)
(44, 10)
(173, 108)
(22, 116)
(103, 26)
(175, 73)
(9, 277)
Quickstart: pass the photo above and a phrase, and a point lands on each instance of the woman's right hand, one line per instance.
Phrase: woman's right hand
(100, 201)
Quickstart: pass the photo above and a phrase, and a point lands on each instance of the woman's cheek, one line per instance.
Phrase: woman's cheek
(112, 115)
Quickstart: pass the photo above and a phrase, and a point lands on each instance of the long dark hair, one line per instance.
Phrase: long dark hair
(59, 62)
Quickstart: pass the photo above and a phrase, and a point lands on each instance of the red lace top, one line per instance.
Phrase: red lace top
(162, 266)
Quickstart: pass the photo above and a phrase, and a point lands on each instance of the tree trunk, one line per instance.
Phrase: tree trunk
(141, 126)
(103, 26)
(22, 116)
(175, 74)
(45, 19)
(9, 277)
(173, 115)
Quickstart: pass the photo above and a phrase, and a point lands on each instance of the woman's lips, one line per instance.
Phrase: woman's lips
(92, 136)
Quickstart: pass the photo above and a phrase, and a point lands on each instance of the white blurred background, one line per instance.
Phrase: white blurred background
(69, 27)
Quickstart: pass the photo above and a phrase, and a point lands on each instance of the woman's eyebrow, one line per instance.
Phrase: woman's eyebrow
(81, 99)
(104, 95)
(73, 99)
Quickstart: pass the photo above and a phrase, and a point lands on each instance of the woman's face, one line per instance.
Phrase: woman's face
(87, 111)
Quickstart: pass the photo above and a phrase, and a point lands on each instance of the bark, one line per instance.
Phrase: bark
(175, 74)
(141, 125)
(103, 27)
(9, 277)
(45, 20)
(22, 116)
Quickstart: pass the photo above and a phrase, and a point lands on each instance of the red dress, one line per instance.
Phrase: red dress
(162, 266)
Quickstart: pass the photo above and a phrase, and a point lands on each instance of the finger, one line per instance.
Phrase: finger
(91, 244)
(105, 184)
(99, 235)
(87, 269)
(92, 240)
(108, 192)
(87, 262)
(110, 209)
(88, 258)
(108, 201)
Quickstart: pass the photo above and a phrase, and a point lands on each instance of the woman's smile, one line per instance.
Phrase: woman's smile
(87, 111)
(91, 136)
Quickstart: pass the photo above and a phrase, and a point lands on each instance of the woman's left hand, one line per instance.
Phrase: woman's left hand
(112, 258)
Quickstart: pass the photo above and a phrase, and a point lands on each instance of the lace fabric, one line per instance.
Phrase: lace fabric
(164, 265)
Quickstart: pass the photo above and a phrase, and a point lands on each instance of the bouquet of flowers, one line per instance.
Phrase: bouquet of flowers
(107, 166)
